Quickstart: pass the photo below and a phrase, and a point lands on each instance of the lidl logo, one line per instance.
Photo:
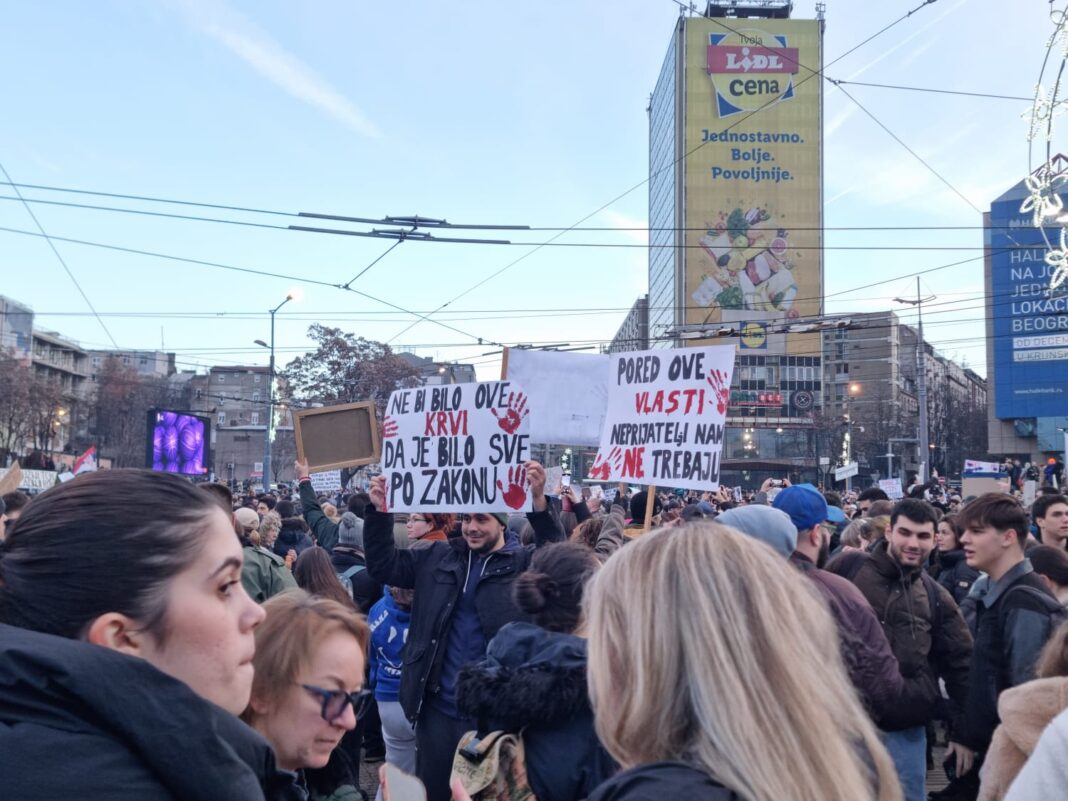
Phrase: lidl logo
(754, 336)
(750, 69)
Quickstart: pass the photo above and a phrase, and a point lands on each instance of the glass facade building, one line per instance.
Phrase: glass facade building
(664, 186)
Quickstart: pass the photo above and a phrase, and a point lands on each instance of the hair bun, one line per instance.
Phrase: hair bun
(534, 591)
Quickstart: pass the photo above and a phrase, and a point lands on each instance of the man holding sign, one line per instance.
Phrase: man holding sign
(666, 416)
(446, 447)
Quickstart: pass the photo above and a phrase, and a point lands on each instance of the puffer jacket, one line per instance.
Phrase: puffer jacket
(534, 681)
(438, 573)
(872, 667)
(1025, 712)
(292, 536)
(954, 574)
(925, 648)
(82, 721)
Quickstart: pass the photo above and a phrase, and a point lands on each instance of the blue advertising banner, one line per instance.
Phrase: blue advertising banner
(1030, 324)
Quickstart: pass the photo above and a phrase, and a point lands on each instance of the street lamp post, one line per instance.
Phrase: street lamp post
(921, 382)
(269, 429)
(854, 389)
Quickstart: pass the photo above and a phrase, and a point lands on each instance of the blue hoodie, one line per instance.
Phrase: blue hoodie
(389, 633)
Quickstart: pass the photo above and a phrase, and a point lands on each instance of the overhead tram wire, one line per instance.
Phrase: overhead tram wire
(646, 180)
(311, 281)
(62, 261)
(387, 220)
(959, 93)
(217, 265)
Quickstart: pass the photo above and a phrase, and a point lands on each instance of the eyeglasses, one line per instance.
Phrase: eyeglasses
(335, 702)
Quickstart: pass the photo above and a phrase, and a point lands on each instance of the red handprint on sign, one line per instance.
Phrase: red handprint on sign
(516, 494)
(389, 427)
(721, 391)
(602, 467)
(517, 410)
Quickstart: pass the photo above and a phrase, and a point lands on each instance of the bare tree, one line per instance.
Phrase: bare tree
(15, 381)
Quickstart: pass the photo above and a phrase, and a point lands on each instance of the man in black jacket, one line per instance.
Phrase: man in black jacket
(463, 595)
(1014, 616)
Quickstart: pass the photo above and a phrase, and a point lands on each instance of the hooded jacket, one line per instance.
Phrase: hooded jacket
(534, 681)
(292, 536)
(926, 648)
(954, 574)
(439, 573)
(81, 721)
(1025, 712)
(389, 632)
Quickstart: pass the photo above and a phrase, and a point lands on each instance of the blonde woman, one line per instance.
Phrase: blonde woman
(724, 682)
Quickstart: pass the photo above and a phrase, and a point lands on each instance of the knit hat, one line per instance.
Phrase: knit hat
(350, 530)
(247, 518)
(502, 518)
(804, 503)
(763, 523)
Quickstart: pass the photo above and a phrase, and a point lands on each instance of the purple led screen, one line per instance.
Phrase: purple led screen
(178, 444)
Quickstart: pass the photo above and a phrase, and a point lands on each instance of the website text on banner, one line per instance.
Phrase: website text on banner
(457, 448)
(666, 415)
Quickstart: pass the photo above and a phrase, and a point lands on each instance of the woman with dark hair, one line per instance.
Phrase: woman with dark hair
(314, 572)
(533, 678)
(1051, 564)
(127, 639)
(950, 569)
(293, 536)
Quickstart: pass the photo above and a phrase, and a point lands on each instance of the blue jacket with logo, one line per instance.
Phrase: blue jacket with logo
(389, 633)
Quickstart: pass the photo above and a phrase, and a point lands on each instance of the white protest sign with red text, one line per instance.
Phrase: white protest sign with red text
(457, 448)
(666, 415)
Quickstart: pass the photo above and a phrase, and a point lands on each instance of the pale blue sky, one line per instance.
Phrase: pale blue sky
(525, 113)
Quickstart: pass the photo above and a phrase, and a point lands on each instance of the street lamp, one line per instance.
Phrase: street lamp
(921, 381)
(853, 390)
(269, 429)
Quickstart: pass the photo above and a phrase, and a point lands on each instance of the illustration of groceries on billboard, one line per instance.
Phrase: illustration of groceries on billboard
(747, 266)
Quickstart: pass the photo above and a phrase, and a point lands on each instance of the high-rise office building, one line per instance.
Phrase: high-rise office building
(736, 218)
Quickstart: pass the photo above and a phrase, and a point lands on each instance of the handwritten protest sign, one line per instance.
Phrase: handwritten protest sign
(666, 415)
(457, 448)
(892, 488)
(328, 481)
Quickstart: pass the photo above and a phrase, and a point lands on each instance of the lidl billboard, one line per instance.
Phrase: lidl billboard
(753, 213)
(1030, 324)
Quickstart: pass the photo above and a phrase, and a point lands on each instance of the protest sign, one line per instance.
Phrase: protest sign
(892, 488)
(10, 479)
(457, 448)
(569, 390)
(15, 477)
(328, 481)
(666, 416)
(974, 467)
(554, 477)
(332, 437)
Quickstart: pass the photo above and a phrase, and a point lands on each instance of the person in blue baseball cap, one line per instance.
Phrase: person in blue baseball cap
(808, 511)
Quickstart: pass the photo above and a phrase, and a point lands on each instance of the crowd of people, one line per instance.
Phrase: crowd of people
(160, 639)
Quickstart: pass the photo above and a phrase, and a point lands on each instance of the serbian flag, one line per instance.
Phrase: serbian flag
(86, 463)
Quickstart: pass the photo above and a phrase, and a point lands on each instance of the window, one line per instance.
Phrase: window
(222, 378)
(254, 418)
(222, 418)
(256, 378)
(255, 396)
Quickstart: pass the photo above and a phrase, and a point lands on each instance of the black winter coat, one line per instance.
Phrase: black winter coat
(437, 575)
(1011, 626)
(292, 536)
(663, 781)
(535, 681)
(925, 647)
(82, 721)
(365, 590)
(954, 574)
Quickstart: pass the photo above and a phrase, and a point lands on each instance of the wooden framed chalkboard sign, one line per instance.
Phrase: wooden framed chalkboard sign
(332, 437)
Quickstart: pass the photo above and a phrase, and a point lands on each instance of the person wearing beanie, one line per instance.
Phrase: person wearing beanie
(326, 531)
(350, 563)
(463, 596)
(638, 503)
(873, 669)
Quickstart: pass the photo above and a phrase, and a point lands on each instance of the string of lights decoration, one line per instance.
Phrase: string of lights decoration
(1045, 181)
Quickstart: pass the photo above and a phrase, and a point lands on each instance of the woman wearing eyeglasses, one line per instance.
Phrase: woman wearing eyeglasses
(126, 648)
(308, 687)
(429, 527)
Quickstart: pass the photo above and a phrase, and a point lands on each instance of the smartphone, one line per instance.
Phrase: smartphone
(402, 786)
(566, 480)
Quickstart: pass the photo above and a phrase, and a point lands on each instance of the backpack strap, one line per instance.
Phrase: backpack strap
(352, 571)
